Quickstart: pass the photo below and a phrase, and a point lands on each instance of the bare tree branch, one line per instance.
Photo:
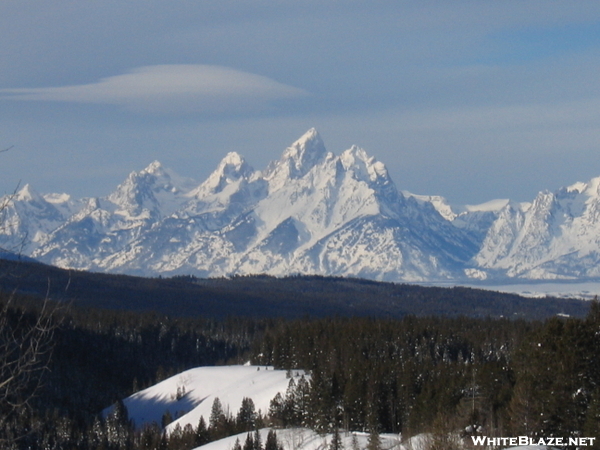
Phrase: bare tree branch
(26, 345)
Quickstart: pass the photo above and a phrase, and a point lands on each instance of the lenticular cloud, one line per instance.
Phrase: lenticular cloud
(171, 88)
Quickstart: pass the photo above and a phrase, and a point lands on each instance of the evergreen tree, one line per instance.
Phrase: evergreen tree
(202, 434)
(271, 442)
(217, 415)
(276, 410)
(289, 406)
(336, 440)
(257, 440)
(218, 422)
(302, 400)
(246, 417)
(249, 443)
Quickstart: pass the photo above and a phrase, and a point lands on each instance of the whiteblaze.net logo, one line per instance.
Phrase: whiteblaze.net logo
(526, 440)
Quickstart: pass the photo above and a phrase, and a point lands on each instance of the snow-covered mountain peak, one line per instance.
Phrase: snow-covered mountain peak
(305, 152)
(366, 167)
(232, 168)
(297, 160)
(233, 159)
(310, 142)
(154, 190)
(27, 194)
(591, 188)
(153, 168)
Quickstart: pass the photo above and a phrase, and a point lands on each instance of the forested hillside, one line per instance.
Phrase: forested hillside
(263, 296)
(409, 375)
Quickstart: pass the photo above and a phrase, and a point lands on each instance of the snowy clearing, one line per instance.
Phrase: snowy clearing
(190, 394)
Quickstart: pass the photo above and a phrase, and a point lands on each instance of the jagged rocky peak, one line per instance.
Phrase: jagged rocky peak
(306, 151)
(27, 194)
(298, 159)
(149, 175)
(134, 189)
(154, 189)
(154, 168)
(24, 194)
(365, 166)
(233, 167)
(591, 188)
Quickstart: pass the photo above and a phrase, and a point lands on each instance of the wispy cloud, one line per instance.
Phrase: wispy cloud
(171, 89)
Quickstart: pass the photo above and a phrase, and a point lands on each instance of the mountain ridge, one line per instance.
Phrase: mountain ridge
(309, 212)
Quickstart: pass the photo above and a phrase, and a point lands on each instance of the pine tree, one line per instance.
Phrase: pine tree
(202, 435)
(336, 440)
(219, 423)
(249, 443)
(276, 408)
(246, 418)
(257, 440)
(289, 404)
(271, 442)
(302, 397)
(217, 414)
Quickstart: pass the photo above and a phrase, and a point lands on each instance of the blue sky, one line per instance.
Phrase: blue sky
(472, 100)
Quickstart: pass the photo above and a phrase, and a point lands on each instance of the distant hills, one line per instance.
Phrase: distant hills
(266, 296)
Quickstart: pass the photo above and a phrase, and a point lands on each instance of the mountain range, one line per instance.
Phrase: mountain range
(310, 212)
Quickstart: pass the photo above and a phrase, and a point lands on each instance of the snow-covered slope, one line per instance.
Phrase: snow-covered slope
(309, 212)
(190, 394)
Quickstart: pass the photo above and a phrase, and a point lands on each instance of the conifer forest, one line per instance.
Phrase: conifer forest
(62, 365)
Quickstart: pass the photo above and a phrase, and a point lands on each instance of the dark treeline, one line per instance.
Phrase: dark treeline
(262, 296)
(416, 374)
